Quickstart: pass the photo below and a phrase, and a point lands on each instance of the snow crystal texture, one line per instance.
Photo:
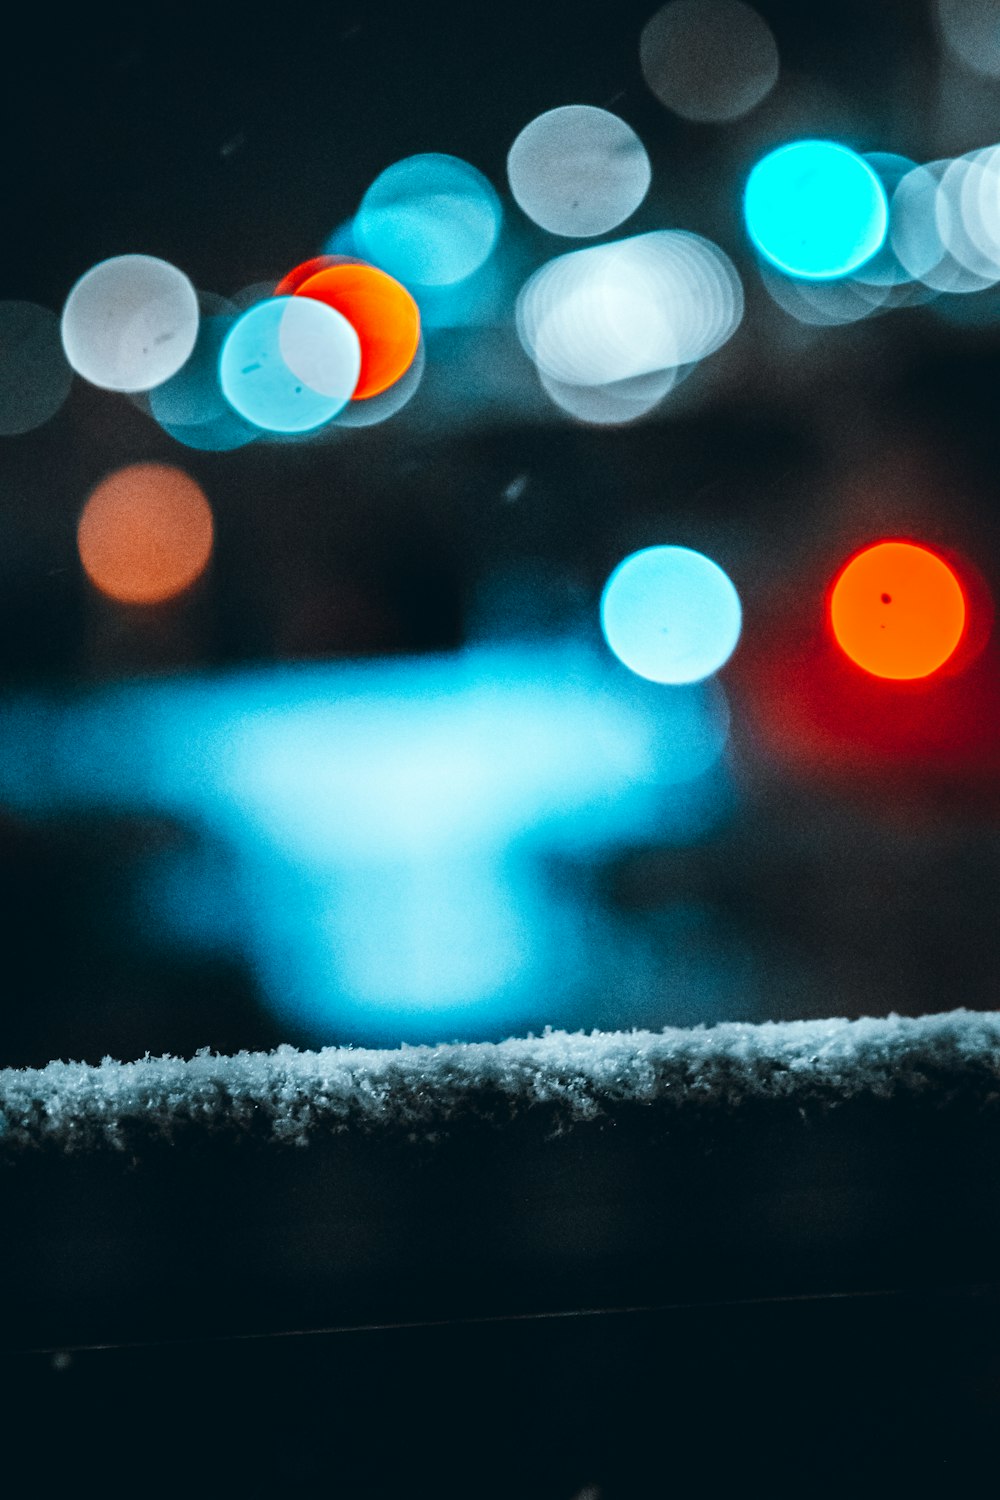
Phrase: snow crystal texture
(292, 1097)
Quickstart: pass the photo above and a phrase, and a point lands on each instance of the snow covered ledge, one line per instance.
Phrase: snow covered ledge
(562, 1079)
(549, 1173)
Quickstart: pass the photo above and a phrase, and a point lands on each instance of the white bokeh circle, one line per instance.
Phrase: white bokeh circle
(578, 171)
(130, 323)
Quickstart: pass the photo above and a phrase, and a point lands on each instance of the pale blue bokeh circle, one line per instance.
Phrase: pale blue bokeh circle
(257, 380)
(191, 407)
(816, 209)
(429, 220)
(671, 615)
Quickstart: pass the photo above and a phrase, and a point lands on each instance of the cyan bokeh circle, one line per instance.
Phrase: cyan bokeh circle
(429, 220)
(815, 209)
(671, 615)
(259, 383)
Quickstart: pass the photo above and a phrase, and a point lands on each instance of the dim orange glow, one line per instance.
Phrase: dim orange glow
(382, 314)
(145, 534)
(897, 610)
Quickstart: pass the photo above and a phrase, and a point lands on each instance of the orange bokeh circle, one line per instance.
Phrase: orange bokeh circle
(382, 313)
(897, 610)
(146, 533)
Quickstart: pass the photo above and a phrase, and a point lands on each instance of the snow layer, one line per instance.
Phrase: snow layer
(563, 1078)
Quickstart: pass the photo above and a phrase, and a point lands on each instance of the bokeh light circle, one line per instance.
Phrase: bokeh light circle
(971, 32)
(382, 313)
(578, 171)
(979, 204)
(671, 615)
(293, 279)
(429, 220)
(614, 312)
(35, 377)
(290, 364)
(815, 209)
(615, 404)
(897, 610)
(965, 230)
(709, 60)
(824, 304)
(884, 269)
(130, 323)
(925, 218)
(375, 410)
(146, 533)
(191, 407)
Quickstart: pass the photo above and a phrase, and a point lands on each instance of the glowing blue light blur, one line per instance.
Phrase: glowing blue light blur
(815, 209)
(191, 406)
(340, 240)
(289, 364)
(391, 824)
(927, 233)
(463, 752)
(884, 269)
(968, 211)
(224, 434)
(943, 219)
(671, 615)
(429, 220)
(483, 298)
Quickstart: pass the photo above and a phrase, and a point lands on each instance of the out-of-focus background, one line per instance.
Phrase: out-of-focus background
(375, 774)
(364, 769)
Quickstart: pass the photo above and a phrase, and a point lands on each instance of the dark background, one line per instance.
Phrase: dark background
(856, 875)
(859, 874)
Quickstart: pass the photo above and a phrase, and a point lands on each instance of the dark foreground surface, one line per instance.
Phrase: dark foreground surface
(289, 1192)
(883, 1395)
(560, 1268)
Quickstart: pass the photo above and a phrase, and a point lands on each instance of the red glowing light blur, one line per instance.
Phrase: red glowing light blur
(897, 610)
(929, 741)
(289, 285)
(381, 312)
